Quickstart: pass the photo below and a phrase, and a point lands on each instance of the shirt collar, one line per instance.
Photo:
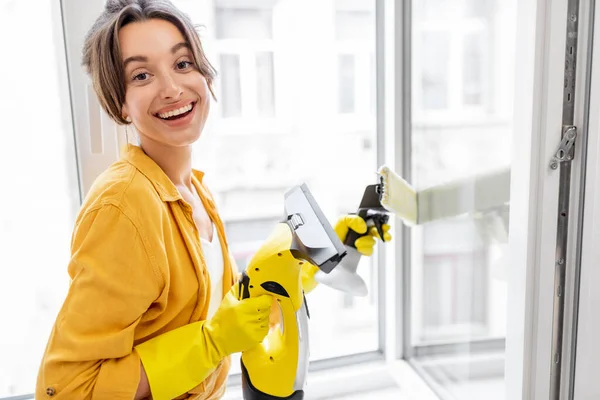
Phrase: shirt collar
(161, 182)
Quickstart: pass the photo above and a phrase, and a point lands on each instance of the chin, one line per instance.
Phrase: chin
(192, 138)
(178, 139)
(182, 142)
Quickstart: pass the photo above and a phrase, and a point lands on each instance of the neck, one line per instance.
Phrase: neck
(176, 162)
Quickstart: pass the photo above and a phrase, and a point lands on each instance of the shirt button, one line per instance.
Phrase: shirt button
(50, 391)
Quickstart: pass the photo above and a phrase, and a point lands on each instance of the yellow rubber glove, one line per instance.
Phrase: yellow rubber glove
(181, 359)
(308, 277)
(364, 244)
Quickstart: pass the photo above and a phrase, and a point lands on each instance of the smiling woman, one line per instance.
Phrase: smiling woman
(145, 315)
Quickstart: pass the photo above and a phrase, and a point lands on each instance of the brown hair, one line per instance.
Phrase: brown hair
(102, 53)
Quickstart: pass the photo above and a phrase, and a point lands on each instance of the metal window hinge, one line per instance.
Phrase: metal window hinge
(566, 149)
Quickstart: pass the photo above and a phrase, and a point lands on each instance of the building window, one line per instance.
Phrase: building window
(473, 70)
(354, 35)
(265, 92)
(454, 295)
(238, 23)
(247, 62)
(452, 63)
(231, 91)
(434, 78)
(346, 90)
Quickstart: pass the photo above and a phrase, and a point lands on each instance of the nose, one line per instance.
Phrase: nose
(170, 87)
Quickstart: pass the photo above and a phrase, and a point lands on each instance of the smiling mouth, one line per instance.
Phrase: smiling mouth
(178, 113)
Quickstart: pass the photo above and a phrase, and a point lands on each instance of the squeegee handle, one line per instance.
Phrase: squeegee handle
(372, 218)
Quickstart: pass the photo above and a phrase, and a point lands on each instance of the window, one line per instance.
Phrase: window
(230, 85)
(435, 9)
(265, 75)
(434, 76)
(354, 36)
(244, 39)
(461, 136)
(479, 8)
(452, 66)
(454, 298)
(346, 101)
(38, 171)
(473, 71)
(455, 321)
(273, 66)
(243, 23)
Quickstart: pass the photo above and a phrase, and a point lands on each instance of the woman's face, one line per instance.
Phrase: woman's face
(166, 97)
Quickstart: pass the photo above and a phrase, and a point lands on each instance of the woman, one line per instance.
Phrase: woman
(149, 311)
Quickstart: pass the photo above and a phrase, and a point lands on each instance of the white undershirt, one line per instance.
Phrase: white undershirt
(213, 256)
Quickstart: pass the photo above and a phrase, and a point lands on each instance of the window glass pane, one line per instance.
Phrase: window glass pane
(238, 23)
(40, 191)
(434, 80)
(473, 69)
(265, 84)
(479, 8)
(231, 91)
(249, 173)
(354, 25)
(372, 85)
(452, 295)
(462, 71)
(435, 9)
(346, 90)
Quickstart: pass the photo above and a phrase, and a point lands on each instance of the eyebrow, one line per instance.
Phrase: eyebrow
(174, 50)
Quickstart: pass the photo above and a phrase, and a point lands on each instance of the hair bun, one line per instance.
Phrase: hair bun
(117, 5)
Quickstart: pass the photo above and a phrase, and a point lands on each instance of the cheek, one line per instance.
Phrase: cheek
(200, 85)
(205, 94)
(138, 103)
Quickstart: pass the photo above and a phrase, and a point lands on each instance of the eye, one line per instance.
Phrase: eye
(140, 77)
(184, 64)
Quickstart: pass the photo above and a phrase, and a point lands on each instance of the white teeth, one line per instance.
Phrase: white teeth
(173, 113)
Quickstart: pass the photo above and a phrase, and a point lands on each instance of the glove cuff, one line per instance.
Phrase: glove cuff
(177, 361)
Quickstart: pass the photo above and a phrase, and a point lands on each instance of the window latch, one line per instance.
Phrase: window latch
(566, 149)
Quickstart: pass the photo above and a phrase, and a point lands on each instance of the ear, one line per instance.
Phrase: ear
(125, 113)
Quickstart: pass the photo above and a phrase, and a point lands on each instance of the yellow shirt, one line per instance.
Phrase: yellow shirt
(137, 271)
